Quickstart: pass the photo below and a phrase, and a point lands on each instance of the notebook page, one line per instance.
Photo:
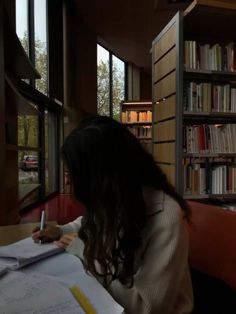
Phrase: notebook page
(35, 293)
(3, 270)
(69, 269)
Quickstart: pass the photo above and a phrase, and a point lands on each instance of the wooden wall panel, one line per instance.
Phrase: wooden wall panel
(13, 216)
(166, 65)
(165, 87)
(12, 168)
(164, 131)
(169, 171)
(164, 109)
(167, 41)
(164, 152)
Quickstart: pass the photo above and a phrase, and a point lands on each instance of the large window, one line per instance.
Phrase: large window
(22, 26)
(40, 41)
(110, 83)
(31, 28)
(37, 134)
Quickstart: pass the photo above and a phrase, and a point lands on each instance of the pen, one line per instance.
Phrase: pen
(42, 221)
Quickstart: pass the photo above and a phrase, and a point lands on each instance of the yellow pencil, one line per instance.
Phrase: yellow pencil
(83, 300)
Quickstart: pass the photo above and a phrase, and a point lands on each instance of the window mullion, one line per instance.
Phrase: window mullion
(110, 85)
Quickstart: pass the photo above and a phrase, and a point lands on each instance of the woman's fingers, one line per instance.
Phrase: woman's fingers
(65, 240)
(36, 229)
(36, 236)
(49, 234)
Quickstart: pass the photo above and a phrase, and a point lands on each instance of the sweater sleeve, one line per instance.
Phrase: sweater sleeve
(162, 270)
(72, 226)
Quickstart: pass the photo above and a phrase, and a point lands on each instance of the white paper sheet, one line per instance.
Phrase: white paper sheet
(35, 293)
(23, 252)
(69, 269)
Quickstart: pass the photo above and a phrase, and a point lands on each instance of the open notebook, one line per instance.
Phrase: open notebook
(24, 252)
(48, 284)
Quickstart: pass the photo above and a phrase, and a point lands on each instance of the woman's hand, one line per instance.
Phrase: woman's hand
(48, 234)
(66, 240)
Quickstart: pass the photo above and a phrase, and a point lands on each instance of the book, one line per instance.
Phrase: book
(24, 252)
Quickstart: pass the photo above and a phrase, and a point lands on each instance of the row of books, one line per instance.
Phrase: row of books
(209, 178)
(130, 116)
(209, 138)
(203, 56)
(141, 131)
(207, 97)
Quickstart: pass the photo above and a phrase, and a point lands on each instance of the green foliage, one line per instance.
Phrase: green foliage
(103, 92)
(28, 125)
(40, 61)
(41, 65)
(27, 132)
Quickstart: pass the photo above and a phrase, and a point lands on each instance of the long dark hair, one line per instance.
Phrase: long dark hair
(109, 168)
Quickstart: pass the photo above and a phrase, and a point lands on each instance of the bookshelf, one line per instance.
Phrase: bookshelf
(137, 116)
(14, 65)
(194, 100)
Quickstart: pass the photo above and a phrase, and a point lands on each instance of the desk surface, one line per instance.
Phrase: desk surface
(13, 233)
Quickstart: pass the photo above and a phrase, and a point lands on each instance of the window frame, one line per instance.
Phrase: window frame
(44, 102)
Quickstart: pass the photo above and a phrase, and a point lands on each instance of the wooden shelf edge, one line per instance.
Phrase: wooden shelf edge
(211, 72)
(210, 196)
(209, 3)
(202, 155)
(137, 123)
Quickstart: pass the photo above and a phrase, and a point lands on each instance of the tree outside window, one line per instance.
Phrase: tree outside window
(110, 83)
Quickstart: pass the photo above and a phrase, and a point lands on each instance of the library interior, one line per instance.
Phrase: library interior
(166, 69)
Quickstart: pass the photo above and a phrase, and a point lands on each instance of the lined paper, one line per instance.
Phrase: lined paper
(35, 293)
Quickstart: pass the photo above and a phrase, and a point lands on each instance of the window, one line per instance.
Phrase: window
(28, 159)
(40, 41)
(22, 28)
(110, 83)
(38, 136)
(118, 85)
(31, 28)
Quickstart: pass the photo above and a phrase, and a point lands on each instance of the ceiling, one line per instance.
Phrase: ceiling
(128, 27)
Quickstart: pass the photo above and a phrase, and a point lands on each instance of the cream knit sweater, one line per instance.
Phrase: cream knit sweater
(162, 283)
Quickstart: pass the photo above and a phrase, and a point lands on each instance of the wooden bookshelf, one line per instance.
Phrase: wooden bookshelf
(14, 65)
(194, 100)
(137, 116)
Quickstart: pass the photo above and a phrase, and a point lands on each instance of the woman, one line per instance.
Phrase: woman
(132, 236)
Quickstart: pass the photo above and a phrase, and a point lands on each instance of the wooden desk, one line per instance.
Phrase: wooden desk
(13, 233)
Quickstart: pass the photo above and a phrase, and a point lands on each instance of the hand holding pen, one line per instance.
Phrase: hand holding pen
(45, 233)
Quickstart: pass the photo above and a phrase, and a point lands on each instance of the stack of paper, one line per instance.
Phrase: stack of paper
(46, 286)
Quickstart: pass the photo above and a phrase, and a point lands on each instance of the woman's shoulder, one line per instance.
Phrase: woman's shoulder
(158, 202)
